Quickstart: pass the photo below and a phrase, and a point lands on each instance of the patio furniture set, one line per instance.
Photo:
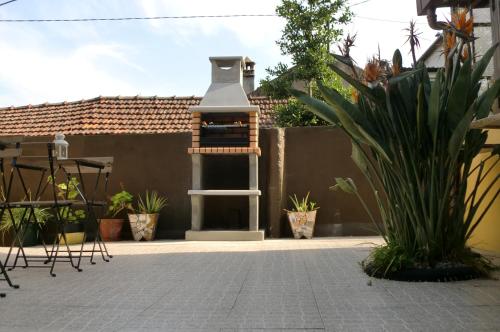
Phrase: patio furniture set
(60, 186)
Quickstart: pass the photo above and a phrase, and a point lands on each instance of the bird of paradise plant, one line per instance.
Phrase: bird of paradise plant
(412, 140)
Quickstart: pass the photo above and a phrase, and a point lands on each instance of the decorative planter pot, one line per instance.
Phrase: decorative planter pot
(30, 236)
(302, 223)
(111, 229)
(75, 232)
(143, 226)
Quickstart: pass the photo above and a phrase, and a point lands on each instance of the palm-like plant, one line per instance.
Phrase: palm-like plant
(304, 204)
(413, 39)
(152, 203)
(412, 140)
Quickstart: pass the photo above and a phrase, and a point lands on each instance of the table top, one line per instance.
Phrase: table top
(102, 163)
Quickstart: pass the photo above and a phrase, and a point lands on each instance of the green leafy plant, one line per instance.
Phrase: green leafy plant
(40, 215)
(295, 114)
(413, 141)
(120, 202)
(304, 204)
(69, 191)
(152, 203)
(311, 27)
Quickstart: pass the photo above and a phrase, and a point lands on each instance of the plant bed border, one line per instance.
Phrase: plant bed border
(441, 274)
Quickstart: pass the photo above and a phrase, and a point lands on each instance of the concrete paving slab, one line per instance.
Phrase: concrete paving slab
(273, 285)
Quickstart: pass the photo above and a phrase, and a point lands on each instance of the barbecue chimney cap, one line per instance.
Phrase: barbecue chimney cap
(226, 93)
(227, 69)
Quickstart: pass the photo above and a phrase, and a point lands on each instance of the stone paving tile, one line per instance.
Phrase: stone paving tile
(272, 330)
(275, 285)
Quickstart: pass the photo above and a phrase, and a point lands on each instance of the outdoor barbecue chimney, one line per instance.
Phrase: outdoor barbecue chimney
(249, 76)
(225, 123)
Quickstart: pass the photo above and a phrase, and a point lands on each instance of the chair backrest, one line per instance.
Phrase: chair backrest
(105, 163)
(10, 147)
(92, 173)
(10, 141)
(10, 153)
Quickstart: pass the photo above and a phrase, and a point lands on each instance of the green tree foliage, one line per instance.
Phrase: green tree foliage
(311, 28)
(296, 114)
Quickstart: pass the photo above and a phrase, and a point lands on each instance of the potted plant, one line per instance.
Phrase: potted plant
(412, 139)
(143, 222)
(303, 217)
(111, 228)
(31, 234)
(74, 228)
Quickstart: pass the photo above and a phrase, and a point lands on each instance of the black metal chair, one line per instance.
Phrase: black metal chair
(45, 187)
(9, 148)
(90, 171)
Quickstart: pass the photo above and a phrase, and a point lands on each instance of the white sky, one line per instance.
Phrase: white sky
(53, 62)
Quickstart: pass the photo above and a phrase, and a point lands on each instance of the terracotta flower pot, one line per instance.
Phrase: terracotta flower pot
(143, 226)
(302, 223)
(111, 229)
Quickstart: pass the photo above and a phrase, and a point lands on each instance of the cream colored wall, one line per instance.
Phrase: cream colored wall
(487, 234)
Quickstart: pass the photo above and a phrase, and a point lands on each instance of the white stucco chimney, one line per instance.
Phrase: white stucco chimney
(249, 76)
(226, 92)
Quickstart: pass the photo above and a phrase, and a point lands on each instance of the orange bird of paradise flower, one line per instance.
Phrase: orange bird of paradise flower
(461, 23)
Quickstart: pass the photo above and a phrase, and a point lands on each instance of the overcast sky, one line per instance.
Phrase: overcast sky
(54, 62)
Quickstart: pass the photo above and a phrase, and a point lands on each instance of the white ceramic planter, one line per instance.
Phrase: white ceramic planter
(143, 226)
(302, 223)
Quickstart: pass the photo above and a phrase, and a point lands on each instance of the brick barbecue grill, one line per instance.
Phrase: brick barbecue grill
(225, 123)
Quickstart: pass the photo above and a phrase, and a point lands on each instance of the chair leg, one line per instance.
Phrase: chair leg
(102, 241)
(54, 257)
(105, 248)
(81, 252)
(20, 249)
(40, 230)
(19, 239)
(52, 250)
(6, 276)
(70, 255)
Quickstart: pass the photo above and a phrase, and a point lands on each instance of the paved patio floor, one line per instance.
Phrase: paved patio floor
(292, 285)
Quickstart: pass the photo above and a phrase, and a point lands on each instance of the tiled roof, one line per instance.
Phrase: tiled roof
(112, 115)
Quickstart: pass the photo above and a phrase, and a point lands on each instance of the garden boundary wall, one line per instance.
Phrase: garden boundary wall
(293, 161)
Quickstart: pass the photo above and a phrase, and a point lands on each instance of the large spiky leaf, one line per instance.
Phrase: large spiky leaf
(348, 123)
(396, 79)
(318, 107)
(345, 60)
(359, 159)
(397, 59)
(334, 97)
(420, 112)
(482, 64)
(434, 105)
(457, 100)
(460, 131)
(377, 94)
(347, 185)
(486, 100)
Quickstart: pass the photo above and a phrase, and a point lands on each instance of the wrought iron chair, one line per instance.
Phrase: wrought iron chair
(9, 148)
(90, 171)
(45, 187)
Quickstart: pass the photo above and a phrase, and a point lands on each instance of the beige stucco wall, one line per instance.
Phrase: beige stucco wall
(487, 235)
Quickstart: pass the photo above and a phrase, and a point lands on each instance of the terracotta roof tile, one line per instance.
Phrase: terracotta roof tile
(112, 115)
